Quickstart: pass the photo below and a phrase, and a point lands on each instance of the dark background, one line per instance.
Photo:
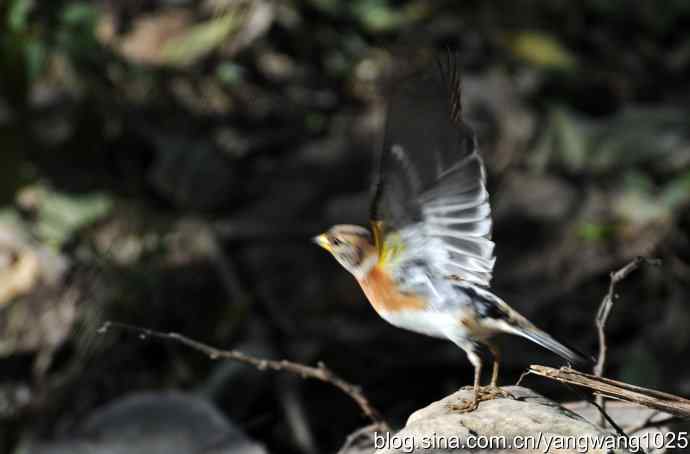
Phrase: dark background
(164, 163)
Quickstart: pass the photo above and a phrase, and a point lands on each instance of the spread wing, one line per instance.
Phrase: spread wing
(430, 201)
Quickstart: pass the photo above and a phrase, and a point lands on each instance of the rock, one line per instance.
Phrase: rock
(500, 422)
(632, 419)
(153, 423)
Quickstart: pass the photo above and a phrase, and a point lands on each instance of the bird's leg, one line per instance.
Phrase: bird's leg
(471, 404)
(493, 390)
(497, 360)
(476, 388)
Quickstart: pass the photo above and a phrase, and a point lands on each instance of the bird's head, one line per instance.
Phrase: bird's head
(352, 247)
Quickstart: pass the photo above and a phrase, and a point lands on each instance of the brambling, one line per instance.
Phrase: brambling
(426, 263)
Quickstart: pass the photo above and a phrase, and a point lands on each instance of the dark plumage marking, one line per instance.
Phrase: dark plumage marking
(354, 254)
(450, 75)
(486, 307)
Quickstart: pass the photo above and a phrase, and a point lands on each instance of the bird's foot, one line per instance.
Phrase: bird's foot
(483, 393)
(494, 392)
(490, 392)
(465, 405)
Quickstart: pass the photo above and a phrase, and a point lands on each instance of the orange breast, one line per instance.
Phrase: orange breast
(384, 295)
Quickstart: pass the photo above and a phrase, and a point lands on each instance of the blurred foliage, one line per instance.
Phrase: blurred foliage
(58, 217)
(540, 49)
(657, 139)
(121, 121)
(375, 16)
(201, 39)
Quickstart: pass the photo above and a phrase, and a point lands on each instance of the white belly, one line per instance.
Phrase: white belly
(431, 323)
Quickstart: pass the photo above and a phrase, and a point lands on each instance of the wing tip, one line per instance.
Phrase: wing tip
(449, 73)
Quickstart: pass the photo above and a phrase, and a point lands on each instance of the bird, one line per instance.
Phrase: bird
(426, 261)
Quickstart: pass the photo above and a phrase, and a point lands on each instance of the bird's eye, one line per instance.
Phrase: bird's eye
(337, 242)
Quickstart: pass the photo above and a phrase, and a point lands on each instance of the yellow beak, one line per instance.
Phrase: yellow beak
(322, 241)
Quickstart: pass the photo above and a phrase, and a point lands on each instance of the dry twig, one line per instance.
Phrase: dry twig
(603, 316)
(321, 372)
(606, 387)
(607, 304)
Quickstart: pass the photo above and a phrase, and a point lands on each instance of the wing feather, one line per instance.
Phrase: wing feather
(430, 194)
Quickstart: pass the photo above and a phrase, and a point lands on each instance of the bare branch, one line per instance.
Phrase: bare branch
(607, 304)
(604, 312)
(605, 417)
(321, 372)
(606, 387)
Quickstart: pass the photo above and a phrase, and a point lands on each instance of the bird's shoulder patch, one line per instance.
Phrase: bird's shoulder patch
(389, 245)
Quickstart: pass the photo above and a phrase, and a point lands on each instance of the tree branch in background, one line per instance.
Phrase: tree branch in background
(651, 421)
(606, 387)
(607, 304)
(603, 316)
(320, 372)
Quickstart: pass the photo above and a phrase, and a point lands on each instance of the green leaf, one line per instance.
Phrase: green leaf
(79, 14)
(201, 39)
(540, 49)
(592, 231)
(60, 215)
(677, 192)
(229, 73)
(35, 56)
(638, 182)
(382, 16)
(18, 14)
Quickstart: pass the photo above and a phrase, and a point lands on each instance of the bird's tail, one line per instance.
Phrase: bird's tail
(570, 354)
(499, 316)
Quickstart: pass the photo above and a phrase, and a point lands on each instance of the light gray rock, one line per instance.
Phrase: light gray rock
(153, 423)
(643, 424)
(496, 427)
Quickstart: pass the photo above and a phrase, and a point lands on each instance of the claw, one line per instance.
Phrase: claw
(465, 405)
(493, 392)
(482, 394)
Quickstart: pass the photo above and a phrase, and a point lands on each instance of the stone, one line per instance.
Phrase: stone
(496, 427)
(153, 423)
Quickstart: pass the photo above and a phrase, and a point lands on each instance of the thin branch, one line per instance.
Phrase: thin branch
(602, 412)
(367, 432)
(606, 387)
(321, 372)
(605, 416)
(607, 304)
(604, 312)
(646, 422)
(522, 377)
